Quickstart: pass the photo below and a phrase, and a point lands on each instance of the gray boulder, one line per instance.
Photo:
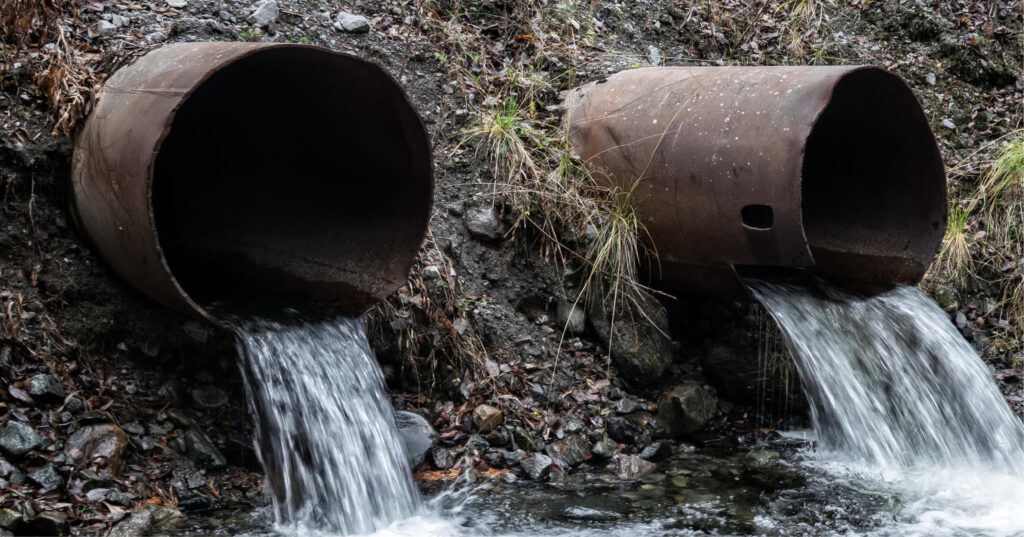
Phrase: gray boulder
(686, 409)
(639, 348)
(417, 435)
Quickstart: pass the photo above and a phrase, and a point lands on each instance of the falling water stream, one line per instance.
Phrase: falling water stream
(326, 430)
(910, 437)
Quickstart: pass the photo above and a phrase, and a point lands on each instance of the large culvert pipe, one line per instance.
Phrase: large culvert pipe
(211, 172)
(830, 168)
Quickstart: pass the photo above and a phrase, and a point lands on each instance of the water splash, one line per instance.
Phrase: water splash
(890, 380)
(326, 431)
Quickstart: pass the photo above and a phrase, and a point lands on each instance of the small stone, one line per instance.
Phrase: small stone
(201, 450)
(626, 406)
(960, 320)
(656, 452)
(930, 79)
(537, 466)
(417, 434)
(137, 525)
(630, 467)
(46, 385)
(105, 27)
(431, 272)
(119, 20)
(571, 316)
(621, 430)
(17, 439)
(46, 477)
(483, 223)
(264, 14)
(348, 22)
(209, 397)
(156, 37)
(604, 449)
(486, 417)
(49, 523)
(572, 424)
(177, 4)
(6, 468)
(686, 409)
(571, 451)
(442, 458)
(9, 518)
(99, 441)
(655, 55)
(948, 123)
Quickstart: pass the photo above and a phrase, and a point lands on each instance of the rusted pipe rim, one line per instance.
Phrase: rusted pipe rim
(830, 168)
(244, 172)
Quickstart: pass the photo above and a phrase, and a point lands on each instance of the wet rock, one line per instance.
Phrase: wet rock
(656, 452)
(639, 349)
(240, 452)
(196, 332)
(622, 430)
(686, 409)
(604, 449)
(630, 467)
(172, 390)
(442, 458)
(570, 452)
(349, 22)
(46, 477)
(572, 423)
(17, 439)
(589, 514)
(46, 385)
(9, 519)
(100, 441)
(137, 525)
(537, 466)
(572, 317)
(499, 437)
(483, 223)
(209, 397)
(264, 14)
(626, 406)
(417, 434)
(486, 417)
(201, 450)
(49, 523)
(6, 468)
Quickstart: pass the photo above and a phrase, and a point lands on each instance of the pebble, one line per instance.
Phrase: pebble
(483, 223)
(18, 439)
(177, 4)
(604, 449)
(486, 417)
(209, 397)
(348, 22)
(266, 13)
(537, 466)
(105, 27)
(45, 385)
(46, 477)
(101, 440)
(630, 467)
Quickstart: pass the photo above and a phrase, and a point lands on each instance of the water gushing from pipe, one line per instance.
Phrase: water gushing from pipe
(326, 431)
(890, 380)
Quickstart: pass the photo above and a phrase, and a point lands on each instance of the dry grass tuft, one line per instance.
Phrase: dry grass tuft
(68, 84)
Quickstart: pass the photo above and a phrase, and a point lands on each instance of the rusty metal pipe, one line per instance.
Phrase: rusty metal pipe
(833, 169)
(215, 172)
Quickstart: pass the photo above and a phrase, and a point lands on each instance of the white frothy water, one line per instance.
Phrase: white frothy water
(899, 400)
(326, 431)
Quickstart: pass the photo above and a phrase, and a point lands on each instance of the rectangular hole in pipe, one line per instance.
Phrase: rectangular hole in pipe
(758, 216)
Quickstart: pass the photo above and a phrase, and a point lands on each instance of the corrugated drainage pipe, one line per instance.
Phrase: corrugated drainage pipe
(212, 172)
(833, 169)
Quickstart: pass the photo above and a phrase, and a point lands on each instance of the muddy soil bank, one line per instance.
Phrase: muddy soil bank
(114, 404)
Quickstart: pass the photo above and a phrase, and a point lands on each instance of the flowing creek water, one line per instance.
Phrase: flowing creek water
(911, 438)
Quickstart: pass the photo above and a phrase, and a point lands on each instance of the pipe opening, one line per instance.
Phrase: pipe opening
(292, 172)
(758, 216)
(873, 182)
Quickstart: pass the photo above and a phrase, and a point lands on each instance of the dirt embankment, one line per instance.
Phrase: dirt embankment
(159, 394)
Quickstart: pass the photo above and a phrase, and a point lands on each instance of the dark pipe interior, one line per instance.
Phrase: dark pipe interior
(292, 172)
(873, 183)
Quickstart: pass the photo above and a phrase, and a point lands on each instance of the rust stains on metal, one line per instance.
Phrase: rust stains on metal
(830, 168)
(212, 172)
